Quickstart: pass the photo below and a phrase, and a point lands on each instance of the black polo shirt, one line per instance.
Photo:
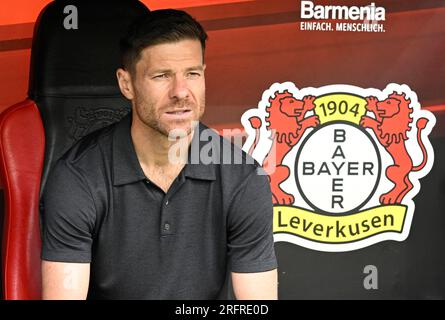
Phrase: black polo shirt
(142, 243)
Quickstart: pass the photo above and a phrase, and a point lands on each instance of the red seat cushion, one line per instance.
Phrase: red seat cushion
(21, 155)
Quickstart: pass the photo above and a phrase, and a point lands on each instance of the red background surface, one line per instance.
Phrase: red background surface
(255, 43)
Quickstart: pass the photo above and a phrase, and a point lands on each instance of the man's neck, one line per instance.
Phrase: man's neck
(160, 158)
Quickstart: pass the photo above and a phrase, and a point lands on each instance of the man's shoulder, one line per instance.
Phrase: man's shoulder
(234, 163)
(237, 172)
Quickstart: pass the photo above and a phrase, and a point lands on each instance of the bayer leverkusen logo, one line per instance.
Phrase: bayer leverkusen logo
(344, 162)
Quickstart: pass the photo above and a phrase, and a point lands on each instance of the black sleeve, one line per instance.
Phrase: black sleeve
(250, 239)
(68, 216)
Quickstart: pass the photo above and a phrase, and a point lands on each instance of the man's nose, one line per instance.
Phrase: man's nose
(179, 88)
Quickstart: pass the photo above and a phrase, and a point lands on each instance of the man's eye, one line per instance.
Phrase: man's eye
(194, 74)
(161, 76)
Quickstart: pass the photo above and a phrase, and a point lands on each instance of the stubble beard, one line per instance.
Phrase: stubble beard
(152, 119)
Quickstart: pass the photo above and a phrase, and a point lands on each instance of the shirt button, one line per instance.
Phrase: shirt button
(166, 203)
(166, 226)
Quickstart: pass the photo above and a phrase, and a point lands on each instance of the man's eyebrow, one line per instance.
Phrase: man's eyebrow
(159, 71)
(156, 71)
(199, 68)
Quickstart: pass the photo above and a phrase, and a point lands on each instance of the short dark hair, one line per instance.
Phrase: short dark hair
(158, 27)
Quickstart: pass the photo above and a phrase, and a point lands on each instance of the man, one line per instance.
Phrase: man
(122, 220)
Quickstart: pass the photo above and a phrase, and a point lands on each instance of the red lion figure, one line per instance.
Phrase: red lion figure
(286, 119)
(391, 125)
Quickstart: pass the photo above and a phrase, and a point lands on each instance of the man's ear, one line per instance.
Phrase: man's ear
(125, 84)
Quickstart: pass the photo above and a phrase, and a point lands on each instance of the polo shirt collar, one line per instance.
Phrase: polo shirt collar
(126, 166)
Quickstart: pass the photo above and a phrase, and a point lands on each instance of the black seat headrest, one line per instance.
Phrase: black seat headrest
(72, 73)
(82, 61)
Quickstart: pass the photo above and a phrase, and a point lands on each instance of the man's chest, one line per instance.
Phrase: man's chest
(147, 234)
(142, 211)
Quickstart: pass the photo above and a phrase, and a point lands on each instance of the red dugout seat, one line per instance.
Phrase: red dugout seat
(72, 92)
(21, 168)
